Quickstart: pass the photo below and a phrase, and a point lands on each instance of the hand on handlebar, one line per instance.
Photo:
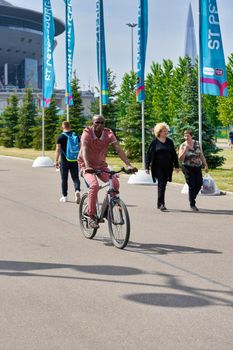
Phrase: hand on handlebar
(131, 170)
(89, 171)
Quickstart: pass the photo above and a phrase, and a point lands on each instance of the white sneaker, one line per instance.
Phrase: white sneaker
(77, 197)
(63, 199)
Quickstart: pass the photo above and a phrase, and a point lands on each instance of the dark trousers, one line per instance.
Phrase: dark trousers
(65, 168)
(162, 178)
(193, 177)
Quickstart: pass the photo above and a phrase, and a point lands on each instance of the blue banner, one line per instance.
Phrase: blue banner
(69, 51)
(48, 75)
(212, 63)
(101, 52)
(142, 43)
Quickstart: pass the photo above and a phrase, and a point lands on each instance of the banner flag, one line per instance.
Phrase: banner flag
(48, 75)
(69, 51)
(100, 48)
(213, 77)
(142, 43)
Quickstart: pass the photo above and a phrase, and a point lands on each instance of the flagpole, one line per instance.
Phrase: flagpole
(100, 63)
(199, 81)
(43, 113)
(143, 135)
(67, 112)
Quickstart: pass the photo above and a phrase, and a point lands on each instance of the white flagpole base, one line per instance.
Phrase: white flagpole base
(141, 178)
(42, 162)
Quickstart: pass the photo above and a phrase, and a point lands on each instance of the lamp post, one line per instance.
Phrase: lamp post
(132, 26)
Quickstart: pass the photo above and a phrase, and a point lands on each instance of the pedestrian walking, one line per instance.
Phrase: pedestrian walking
(192, 157)
(67, 149)
(160, 159)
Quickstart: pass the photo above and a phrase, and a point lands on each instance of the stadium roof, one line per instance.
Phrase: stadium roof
(5, 3)
(8, 10)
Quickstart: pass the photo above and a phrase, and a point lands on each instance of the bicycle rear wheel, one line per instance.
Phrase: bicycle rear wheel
(118, 223)
(83, 219)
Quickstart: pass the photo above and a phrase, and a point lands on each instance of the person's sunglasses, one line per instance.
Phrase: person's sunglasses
(99, 122)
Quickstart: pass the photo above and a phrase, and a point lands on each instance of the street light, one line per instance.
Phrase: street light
(132, 26)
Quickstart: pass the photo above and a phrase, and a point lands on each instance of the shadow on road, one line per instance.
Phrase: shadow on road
(163, 249)
(110, 270)
(183, 296)
(202, 211)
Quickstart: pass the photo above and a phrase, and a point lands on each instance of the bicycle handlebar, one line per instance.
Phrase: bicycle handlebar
(113, 172)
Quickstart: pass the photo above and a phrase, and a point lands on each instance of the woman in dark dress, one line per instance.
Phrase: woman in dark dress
(161, 158)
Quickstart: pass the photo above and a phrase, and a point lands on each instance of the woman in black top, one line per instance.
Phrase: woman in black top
(161, 158)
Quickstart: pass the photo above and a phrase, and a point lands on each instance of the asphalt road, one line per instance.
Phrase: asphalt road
(171, 288)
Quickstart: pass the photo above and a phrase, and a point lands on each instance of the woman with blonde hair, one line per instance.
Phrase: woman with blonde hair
(161, 158)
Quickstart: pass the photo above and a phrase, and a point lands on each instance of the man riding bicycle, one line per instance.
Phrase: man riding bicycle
(95, 141)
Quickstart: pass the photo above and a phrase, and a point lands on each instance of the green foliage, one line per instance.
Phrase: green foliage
(9, 121)
(26, 121)
(225, 104)
(129, 118)
(160, 97)
(110, 110)
(50, 124)
(77, 119)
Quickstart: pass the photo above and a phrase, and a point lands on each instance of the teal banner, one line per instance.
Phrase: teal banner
(101, 52)
(212, 62)
(48, 75)
(69, 51)
(142, 44)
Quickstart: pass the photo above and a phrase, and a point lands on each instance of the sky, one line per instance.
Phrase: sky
(166, 36)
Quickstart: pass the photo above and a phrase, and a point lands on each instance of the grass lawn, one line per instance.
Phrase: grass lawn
(223, 176)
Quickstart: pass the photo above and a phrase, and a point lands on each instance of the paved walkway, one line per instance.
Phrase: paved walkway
(171, 288)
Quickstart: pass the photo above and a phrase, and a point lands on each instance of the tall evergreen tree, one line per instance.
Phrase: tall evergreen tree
(77, 119)
(26, 121)
(225, 105)
(160, 97)
(109, 110)
(129, 117)
(9, 121)
(187, 117)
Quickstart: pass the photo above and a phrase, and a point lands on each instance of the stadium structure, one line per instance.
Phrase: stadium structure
(21, 34)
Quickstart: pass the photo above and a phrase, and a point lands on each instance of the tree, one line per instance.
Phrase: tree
(225, 105)
(129, 117)
(77, 119)
(26, 121)
(110, 110)
(9, 121)
(187, 117)
(76, 116)
(50, 125)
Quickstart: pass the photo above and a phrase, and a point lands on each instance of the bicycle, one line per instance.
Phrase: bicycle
(112, 208)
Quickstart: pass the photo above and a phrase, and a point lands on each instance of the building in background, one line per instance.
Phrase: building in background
(21, 54)
(190, 47)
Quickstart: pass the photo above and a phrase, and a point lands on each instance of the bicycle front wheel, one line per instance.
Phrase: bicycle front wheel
(118, 223)
(83, 219)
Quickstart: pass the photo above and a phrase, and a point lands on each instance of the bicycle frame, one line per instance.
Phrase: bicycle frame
(112, 208)
(100, 210)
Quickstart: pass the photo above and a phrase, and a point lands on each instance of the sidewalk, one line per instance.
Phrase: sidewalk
(170, 289)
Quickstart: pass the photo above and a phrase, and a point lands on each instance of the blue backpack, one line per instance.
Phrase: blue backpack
(72, 148)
